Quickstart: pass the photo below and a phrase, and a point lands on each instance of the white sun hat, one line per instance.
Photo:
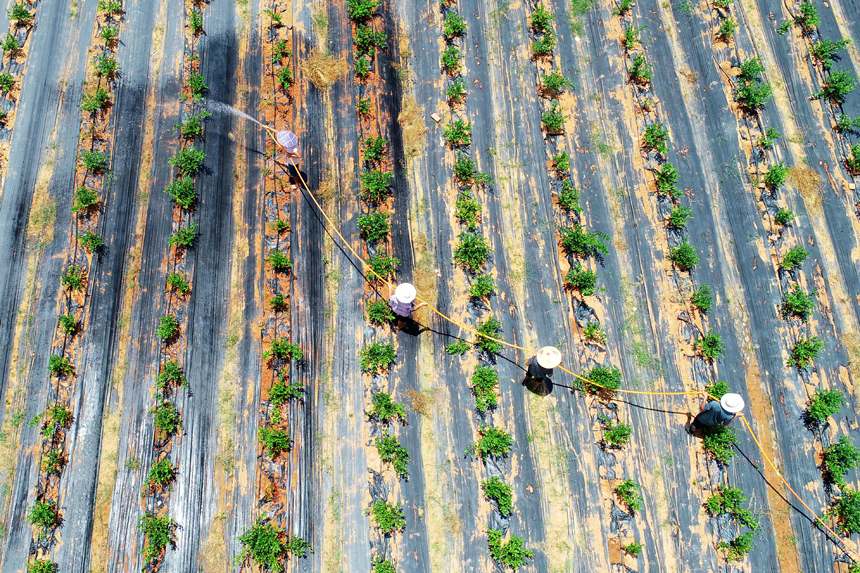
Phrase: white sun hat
(732, 403)
(405, 292)
(288, 141)
(549, 357)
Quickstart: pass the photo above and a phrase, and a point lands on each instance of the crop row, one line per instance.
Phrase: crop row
(84, 248)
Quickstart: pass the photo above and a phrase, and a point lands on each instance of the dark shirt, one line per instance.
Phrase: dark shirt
(536, 370)
(713, 415)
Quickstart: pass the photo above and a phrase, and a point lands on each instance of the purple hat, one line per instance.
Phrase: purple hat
(288, 141)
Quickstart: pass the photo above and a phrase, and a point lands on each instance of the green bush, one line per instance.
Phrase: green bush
(44, 515)
(374, 225)
(808, 17)
(166, 417)
(91, 241)
(656, 137)
(385, 409)
(582, 280)
(10, 44)
(362, 67)
(846, 510)
(853, 162)
(451, 60)
(561, 162)
(195, 21)
(630, 37)
(465, 168)
(616, 435)
(41, 566)
(376, 356)
(197, 84)
(666, 179)
(683, 256)
(279, 260)
(678, 217)
(730, 500)
(382, 265)
(109, 34)
(170, 374)
(467, 209)
(382, 566)
(710, 346)
(840, 457)
(750, 70)
(285, 78)
(492, 441)
(601, 379)
(20, 14)
(628, 492)
(177, 282)
(544, 45)
(375, 185)
(804, 352)
(379, 312)
(95, 101)
(73, 278)
(374, 149)
(553, 119)
(556, 83)
(458, 133)
(159, 531)
(542, 20)
(513, 553)
(56, 418)
(727, 29)
(367, 40)
(738, 548)
(593, 332)
(458, 348)
(387, 516)
(182, 192)
(363, 107)
(776, 175)
(168, 327)
(798, 303)
(189, 161)
(193, 125)
(84, 199)
(752, 95)
(717, 390)
(703, 297)
(281, 392)
(95, 161)
(488, 334)
(794, 258)
(60, 366)
(360, 10)
(633, 548)
(824, 403)
(500, 492)
(160, 474)
(110, 7)
(568, 198)
(639, 72)
(68, 324)
(838, 85)
(766, 141)
(718, 442)
(457, 90)
(472, 252)
(279, 303)
(784, 217)
(485, 382)
(825, 51)
(390, 451)
(283, 349)
(274, 441)
(453, 25)
(845, 123)
(482, 287)
(106, 65)
(262, 542)
(576, 240)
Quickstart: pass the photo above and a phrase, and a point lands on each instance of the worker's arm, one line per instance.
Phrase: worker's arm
(733, 419)
(704, 400)
(417, 306)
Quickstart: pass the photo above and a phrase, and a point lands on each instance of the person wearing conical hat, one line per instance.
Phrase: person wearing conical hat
(716, 412)
(402, 301)
(290, 143)
(540, 366)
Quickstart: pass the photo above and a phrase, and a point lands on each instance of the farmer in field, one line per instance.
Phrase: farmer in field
(402, 302)
(290, 143)
(716, 412)
(540, 369)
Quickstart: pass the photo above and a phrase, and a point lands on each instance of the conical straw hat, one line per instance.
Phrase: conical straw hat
(288, 140)
(549, 357)
(405, 292)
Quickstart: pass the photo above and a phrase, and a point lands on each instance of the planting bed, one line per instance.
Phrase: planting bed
(665, 191)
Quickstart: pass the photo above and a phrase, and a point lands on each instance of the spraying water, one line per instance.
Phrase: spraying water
(224, 108)
(285, 139)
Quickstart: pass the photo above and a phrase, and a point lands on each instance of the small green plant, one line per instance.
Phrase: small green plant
(457, 90)
(280, 393)
(728, 27)
(683, 256)
(472, 252)
(776, 175)
(628, 492)
(751, 69)
(824, 403)
(593, 332)
(274, 441)
(60, 366)
(717, 390)
(542, 20)
(846, 510)
(285, 78)
(84, 199)
(553, 119)
(623, 7)
(197, 84)
(189, 161)
(465, 168)
(656, 136)
(561, 162)
(109, 34)
(488, 334)
(95, 161)
(453, 25)
(840, 457)
(279, 260)
(160, 474)
(110, 7)
(182, 191)
(159, 532)
(808, 17)
(853, 162)
(556, 82)
(360, 10)
(263, 543)
(794, 258)
(20, 14)
(387, 516)
(485, 381)
(601, 379)
(168, 327)
(718, 442)
(166, 417)
(752, 94)
(178, 282)
(639, 72)
(703, 297)
(367, 40)
(633, 548)
(193, 125)
(576, 240)
(678, 217)
(738, 548)
(544, 45)
(783, 28)
(784, 217)
(282, 349)
(615, 435)
(630, 37)
(458, 348)
(374, 226)
(500, 492)
(375, 185)
(482, 287)
(766, 140)
(390, 451)
(169, 375)
(68, 324)
(710, 346)
(279, 303)
(845, 123)
(195, 21)
(379, 312)
(492, 441)
(838, 85)
(798, 303)
(825, 51)
(73, 278)
(44, 515)
(363, 107)
(184, 237)
(382, 265)
(91, 241)
(95, 101)
(451, 60)
(568, 197)
(106, 65)
(376, 356)
(512, 554)
(666, 178)
(582, 280)
(10, 44)
(458, 133)
(385, 409)
(374, 149)
(382, 566)
(56, 418)
(729, 500)
(41, 566)
(467, 209)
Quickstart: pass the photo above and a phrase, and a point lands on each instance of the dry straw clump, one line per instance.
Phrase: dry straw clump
(808, 182)
(412, 123)
(324, 69)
